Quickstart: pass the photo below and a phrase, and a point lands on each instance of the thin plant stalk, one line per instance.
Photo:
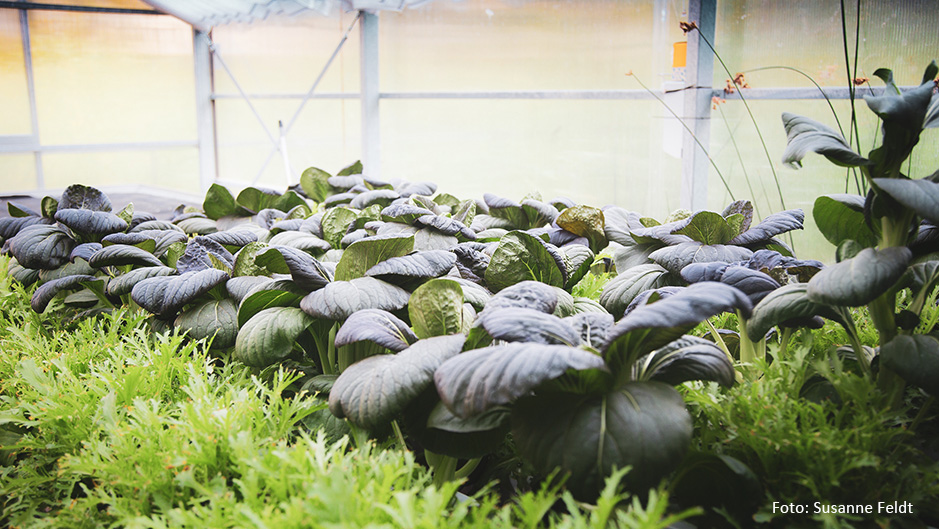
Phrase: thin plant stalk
(746, 176)
(685, 126)
(759, 133)
(853, 128)
(831, 106)
(719, 340)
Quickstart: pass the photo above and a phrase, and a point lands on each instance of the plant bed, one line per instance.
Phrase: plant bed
(484, 337)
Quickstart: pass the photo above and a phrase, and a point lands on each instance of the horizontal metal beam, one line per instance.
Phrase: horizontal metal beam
(80, 9)
(23, 147)
(525, 94)
(803, 93)
(584, 95)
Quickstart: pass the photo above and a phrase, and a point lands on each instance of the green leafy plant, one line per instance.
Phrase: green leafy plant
(876, 235)
(587, 396)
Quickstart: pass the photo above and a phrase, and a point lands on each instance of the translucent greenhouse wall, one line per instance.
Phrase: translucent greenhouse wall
(116, 100)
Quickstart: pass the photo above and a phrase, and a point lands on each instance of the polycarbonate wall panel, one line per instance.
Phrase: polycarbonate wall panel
(285, 55)
(326, 135)
(277, 57)
(17, 173)
(175, 169)
(807, 35)
(527, 45)
(14, 103)
(594, 152)
(106, 78)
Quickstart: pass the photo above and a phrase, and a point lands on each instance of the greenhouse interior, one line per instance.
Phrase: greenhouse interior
(474, 263)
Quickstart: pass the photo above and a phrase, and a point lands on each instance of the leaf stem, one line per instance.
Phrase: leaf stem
(719, 340)
(921, 415)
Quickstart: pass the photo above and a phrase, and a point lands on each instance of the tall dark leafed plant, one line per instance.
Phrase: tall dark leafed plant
(886, 240)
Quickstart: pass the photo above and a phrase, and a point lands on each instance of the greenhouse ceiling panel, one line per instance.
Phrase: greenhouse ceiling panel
(204, 14)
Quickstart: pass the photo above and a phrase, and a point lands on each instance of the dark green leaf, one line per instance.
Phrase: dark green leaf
(84, 251)
(197, 226)
(371, 392)
(462, 438)
(377, 326)
(363, 255)
(915, 358)
(242, 286)
(771, 226)
(527, 325)
(426, 264)
(790, 302)
(382, 197)
(528, 294)
(436, 308)
(199, 253)
(306, 242)
(340, 299)
(10, 226)
(621, 290)
(592, 326)
(308, 273)
(643, 425)
(122, 254)
(404, 213)
(41, 247)
(675, 258)
(687, 358)
(124, 283)
(86, 221)
(77, 196)
(579, 260)
(520, 257)
(805, 135)
(166, 295)
(44, 294)
(654, 325)
(754, 283)
(156, 225)
(841, 217)
(270, 335)
(744, 208)
(861, 279)
(211, 319)
(479, 380)
(922, 196)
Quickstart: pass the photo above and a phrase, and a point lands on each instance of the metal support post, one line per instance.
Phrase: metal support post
(699, 74)
(371, 134)
(31, 88)
(205, 110)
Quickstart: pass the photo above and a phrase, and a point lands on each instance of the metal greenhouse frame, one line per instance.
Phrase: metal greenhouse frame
(202, 15)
